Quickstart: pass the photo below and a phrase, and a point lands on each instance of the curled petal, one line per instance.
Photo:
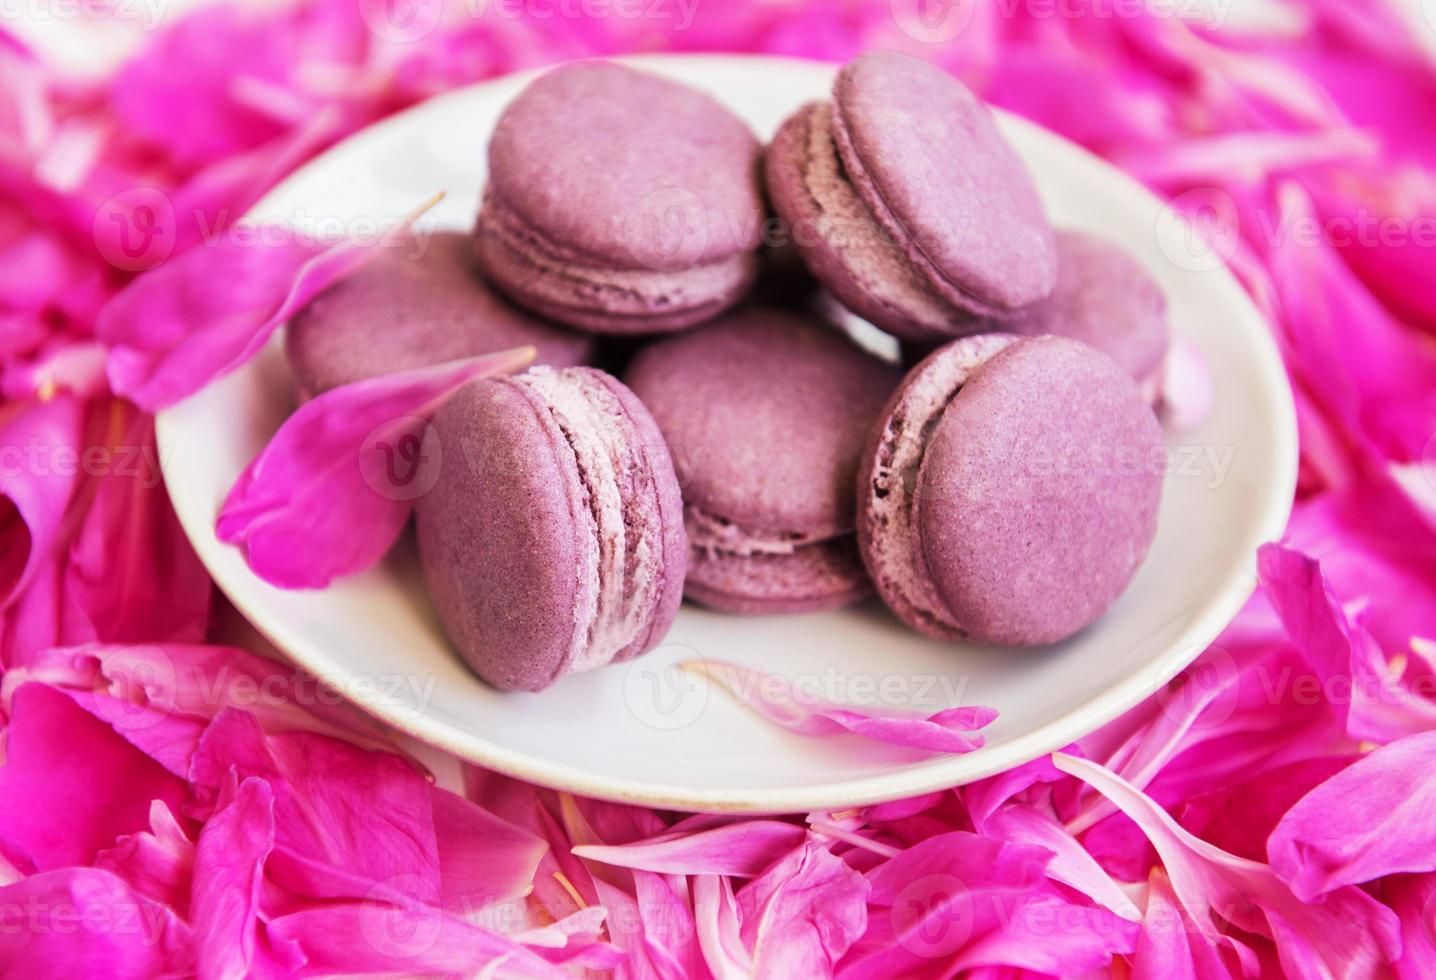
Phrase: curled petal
(330, 493)
(949, 730)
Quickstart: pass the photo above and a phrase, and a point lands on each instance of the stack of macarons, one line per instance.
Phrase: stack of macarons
(996, 484)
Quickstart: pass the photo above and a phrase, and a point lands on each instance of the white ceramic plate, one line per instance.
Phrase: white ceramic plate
(647, 733)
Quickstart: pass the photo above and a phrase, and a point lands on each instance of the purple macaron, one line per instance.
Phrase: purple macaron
(412, 307)
(766, 415)
(621, 202)
(1104, 298)
(552, 541)
(1011, 489)
(908, 204)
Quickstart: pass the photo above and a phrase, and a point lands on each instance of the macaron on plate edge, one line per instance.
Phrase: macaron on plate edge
(644, 732)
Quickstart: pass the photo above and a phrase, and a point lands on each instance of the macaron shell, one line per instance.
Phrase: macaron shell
(1106, 299)
(927, 159)
(504, 539)
(765, 414)
(541, 277)
(599, 158)
(822, 576)
(843, 246)
(1038, 493)
(413, 305)
(892, 459)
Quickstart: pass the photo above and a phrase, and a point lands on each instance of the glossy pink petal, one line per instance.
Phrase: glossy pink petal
(742, 848)
(228, 880)
(330, 493)
(85, 922)
(157, 863)
(715, 910)
(45, 442)
(1085, 940)
(1369, 820)
(1348, 935)
(802, 914)
(1171, 947)
(70, 786)
(132, 575)
(1070, 864)
(179, 326)
(345, 818)
(984, 797)
(390, 934)
(162, 697)
(483, 860)
(1344, 655)
(654, 926)
(931, 901)
(1413, 897)
(949, 730)
(1239, 818)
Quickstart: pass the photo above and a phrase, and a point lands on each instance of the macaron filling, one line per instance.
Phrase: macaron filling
(848, 226)
(894, 558)
(621, 498)
(560, 282)
(712, 534)
(762, 568)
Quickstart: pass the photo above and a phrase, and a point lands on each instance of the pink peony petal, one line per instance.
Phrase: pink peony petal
(84, 922)
(157, 863)
(1350, 664)
(719, 930)
(742, 848)
(345, 818)
(132, 576)
(179, 326)
(483, 860)
(802, 914)
(1070, 864)
(1171, 947)
(96, 786)
(46, 441)
(162, 697)
(1239, 818)
(389, 934)
(228, 878)
(325, 498)
(1369, 820)
(654, 926)
(1348, 935)
(949, 730)
(1413, 897)
(932, 901)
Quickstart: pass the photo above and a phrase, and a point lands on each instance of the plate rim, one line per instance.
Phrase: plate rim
(1236, 586)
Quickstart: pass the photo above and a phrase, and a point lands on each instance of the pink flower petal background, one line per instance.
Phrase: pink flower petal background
(171, 805)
